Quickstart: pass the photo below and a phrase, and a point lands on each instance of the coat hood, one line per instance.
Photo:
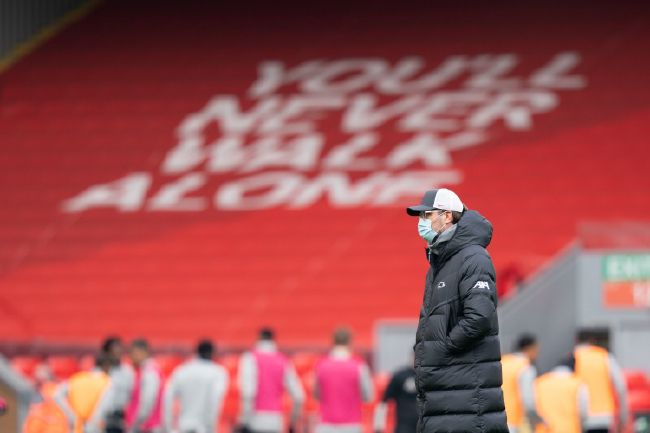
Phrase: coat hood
(472, 229)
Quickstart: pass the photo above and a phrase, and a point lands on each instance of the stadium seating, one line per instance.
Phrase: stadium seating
(638, 385)
(91, 106)
(87, 362)
(305, 362)
(25, 365)
(168, 362)
(63, 366)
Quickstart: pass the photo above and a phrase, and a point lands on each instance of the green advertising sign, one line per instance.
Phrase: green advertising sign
(626, 267)
(626, 280)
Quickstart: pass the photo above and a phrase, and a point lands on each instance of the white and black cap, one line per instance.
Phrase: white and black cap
(437, 199)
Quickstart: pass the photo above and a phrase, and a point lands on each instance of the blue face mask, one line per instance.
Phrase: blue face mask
(425, 230)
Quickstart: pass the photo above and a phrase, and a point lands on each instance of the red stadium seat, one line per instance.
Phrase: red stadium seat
(308, 381)
(639, 400)
(231, 403)
(231, 363)
(381, 382)
(62, 367)
(168, 362)
(87, 362)
(636, 379)
(638, 384)
(25, 365)
(305, 362)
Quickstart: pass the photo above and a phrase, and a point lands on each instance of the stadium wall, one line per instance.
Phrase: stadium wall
(545, 307)
(605, 290)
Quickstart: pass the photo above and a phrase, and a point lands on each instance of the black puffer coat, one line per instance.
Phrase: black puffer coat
(457, 352)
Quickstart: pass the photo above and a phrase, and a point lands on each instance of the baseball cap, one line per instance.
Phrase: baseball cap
(443, 198)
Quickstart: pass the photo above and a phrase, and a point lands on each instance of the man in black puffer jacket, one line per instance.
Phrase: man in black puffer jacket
(457, 351)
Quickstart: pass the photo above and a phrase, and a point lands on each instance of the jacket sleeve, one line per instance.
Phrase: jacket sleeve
(247, 380)
(477, 290)
(218, 392)
(103, 408)
(294, 387)
(526, 385)
(366, 385)
(61, 399)
(618, 381)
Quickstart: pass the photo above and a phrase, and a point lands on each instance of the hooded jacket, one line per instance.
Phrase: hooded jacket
(457, 350)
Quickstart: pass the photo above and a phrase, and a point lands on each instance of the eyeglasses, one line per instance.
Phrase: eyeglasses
(426, 214)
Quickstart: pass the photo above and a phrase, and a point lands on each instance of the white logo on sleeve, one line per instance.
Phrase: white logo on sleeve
(481, 285)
